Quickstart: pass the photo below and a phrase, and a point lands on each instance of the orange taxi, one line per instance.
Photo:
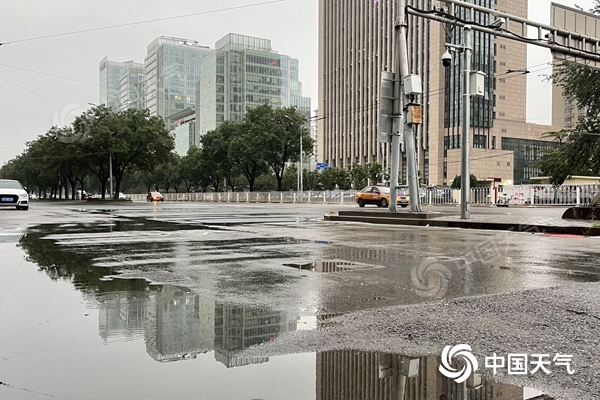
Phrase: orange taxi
(380, 196)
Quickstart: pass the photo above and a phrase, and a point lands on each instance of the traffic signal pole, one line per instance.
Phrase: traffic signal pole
(402, 126)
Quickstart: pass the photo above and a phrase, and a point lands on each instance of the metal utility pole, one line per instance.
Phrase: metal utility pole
(403, 121)
(465, 171)
(110, 174)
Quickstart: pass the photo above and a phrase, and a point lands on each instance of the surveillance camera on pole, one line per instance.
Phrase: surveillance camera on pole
(498, 22)
(446, 59)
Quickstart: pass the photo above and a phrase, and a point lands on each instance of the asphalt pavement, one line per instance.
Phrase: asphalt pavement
(403, 289)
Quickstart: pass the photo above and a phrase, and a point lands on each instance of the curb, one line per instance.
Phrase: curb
(496, 226)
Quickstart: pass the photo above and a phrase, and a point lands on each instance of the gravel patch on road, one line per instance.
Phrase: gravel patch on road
(563, 320)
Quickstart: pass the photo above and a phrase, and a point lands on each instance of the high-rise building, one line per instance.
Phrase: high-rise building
(245, 72)
(131, 86)
(184, 131)
(110, 74)
(351, 374)
(357, 43)
(565, 112)
(172, 68)
(121, 84)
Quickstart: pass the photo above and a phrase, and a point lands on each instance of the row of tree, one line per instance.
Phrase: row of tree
(256, 154)
(66, 158)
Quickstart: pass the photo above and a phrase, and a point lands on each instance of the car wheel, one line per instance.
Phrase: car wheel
(383, 203)
(24, 208)
(361, 203)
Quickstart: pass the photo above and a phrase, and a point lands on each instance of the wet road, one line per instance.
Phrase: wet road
(100, 302)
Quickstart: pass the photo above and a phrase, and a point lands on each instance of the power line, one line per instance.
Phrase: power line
(47, 74)
(144, 22)
(36, 93)
(13, 128)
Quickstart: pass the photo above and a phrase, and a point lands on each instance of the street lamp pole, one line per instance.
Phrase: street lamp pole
(110, 174)
(301, 170)
(465, 141)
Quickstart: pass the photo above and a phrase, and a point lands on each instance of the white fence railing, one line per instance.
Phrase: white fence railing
(314, 197)
(517, 195)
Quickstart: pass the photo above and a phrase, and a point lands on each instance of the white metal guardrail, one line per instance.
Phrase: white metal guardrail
(566, 195)
(309, 197)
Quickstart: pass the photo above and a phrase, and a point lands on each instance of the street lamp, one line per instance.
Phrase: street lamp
(309, 120)
(300, 187)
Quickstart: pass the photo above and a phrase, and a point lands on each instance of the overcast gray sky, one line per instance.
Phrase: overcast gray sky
(39, 101)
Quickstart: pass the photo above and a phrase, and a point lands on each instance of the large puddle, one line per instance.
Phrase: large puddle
(78, 322)
(127, 339)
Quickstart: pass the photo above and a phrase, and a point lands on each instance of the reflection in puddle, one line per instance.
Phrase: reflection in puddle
(331, 266)
(179, 325)
(350, 374)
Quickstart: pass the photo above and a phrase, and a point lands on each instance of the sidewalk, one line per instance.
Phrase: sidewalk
(524, 219)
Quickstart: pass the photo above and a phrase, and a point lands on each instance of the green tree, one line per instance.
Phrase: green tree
(359, 175)
(132, 139)
(290, 178)
(558, 136)
(311, 180)
(376, 174)
(266, 182)
(554, 164)
(278, 132)
(335, 178)
(456, 183)
(246, 152)
(190, 169)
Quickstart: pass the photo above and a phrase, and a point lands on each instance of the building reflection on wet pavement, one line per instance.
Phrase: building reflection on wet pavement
(178, 324)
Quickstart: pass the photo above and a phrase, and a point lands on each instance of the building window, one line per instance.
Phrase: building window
(526, 154)
(479, 141)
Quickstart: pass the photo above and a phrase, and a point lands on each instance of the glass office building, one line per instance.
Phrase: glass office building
(172, 68)
(184, 137)
(244, 72)
(121, 84)
(131, 86)
(110, 74)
